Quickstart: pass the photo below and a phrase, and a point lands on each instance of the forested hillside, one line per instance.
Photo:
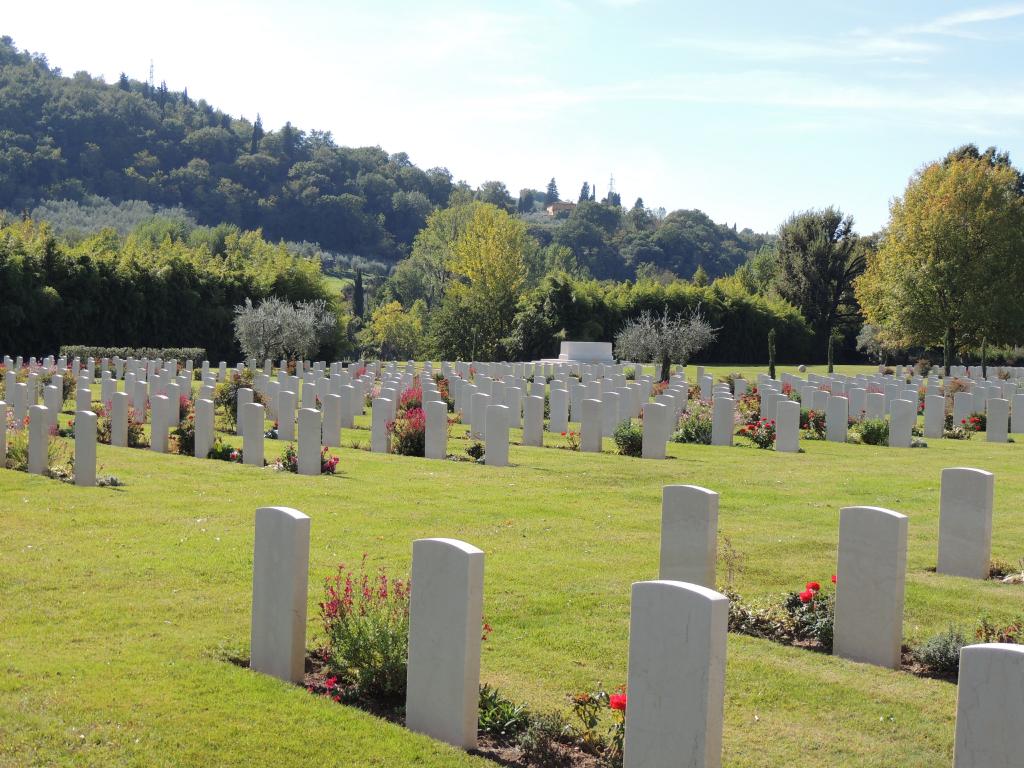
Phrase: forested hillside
(76, 138)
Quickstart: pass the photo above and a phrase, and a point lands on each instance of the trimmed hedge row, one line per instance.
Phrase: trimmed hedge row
(181, 354)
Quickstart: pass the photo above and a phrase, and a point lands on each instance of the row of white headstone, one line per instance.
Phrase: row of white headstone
(678, 625)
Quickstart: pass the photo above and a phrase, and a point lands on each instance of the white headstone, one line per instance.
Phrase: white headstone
(689, 534)
(496, 440)
(380, 441)
(590, 426)
(310, 441)
(445, 619)
(997, 420)
(722, 421)
(280, 574)
(989, 707)
(901, 421)
(204, 428)
(676, 677)
(934, 415)
(965, 522)
(85, 448)
(38, 439)
(252, 440)
(837, 417)
(286, 402)
(870, 581)
(436, 431)
(533, 421)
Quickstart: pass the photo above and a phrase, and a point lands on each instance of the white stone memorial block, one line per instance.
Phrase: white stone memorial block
(38, 439)
(609, 413)
(533, 421)
(590, 426)
(496, 439)
(874, 407)
(965, 522)
(657, 422)
(676, 677)
(901, 422)
(722, 422)
(997, 420)
(159, 423)
(53, 400)
(1017, 423)
(244, 398)
(252, 440)
(310, 441)
(348, 408)
(204, 428)
(559, 408)
(445, 618)
(85, 448)
(436, 434)
(963, 407)
(478, 409)
(934, 415)
(280, 575)
(83, 399)
(286, 402)
(837, 419)
(689, 534)
(332, 420)
(3, 435)
(989, 707)
(380, 440)
(870, 581)
(787, 426)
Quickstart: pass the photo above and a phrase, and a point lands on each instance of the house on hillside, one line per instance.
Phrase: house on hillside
(560, 209)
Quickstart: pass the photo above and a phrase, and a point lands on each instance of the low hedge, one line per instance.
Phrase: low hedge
(181, 354)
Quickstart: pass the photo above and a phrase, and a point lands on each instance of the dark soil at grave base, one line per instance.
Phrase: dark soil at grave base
(500, 751)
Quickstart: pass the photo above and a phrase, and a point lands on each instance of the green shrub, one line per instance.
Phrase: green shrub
(499, 716)
(181, 354)
(629, 439)
(872, 431)
(366, 622)
(941, 654)
(695, 425)
(475, 451)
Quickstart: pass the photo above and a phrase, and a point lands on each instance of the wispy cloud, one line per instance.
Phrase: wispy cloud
(954, 23)
(849, 47)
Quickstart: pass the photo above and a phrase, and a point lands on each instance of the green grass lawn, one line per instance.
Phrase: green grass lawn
(337, 284)
(116, 604)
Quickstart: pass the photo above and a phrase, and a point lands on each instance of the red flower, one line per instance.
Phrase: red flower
(833, 578)
(617, 701)
(330, 682)
(813, 586)
(806, 596)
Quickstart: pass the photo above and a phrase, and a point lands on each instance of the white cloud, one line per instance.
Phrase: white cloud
(951, 24)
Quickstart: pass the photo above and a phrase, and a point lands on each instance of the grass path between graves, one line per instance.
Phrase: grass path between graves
(115, 604)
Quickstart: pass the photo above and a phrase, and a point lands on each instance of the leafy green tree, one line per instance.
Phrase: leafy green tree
(394, 333)
(818, 257)
(495, 193)
(700, 276)
(949, 269)
(584, 192)
(490, 269)
(525, 204)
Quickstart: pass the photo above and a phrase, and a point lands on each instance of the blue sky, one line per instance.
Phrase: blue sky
(748, 111)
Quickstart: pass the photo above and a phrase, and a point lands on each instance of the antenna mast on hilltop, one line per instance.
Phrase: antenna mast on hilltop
(611, 184)
(151, 83)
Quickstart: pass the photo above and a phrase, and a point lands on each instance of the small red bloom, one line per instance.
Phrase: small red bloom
(806, 596)
(833, 578)
(813, 586)
(617, 701)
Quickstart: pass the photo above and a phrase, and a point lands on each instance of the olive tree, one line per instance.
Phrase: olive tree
(664, 338)
(276, 328)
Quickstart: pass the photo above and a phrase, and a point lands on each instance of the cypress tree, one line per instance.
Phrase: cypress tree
(358, 297)
(771, 353)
